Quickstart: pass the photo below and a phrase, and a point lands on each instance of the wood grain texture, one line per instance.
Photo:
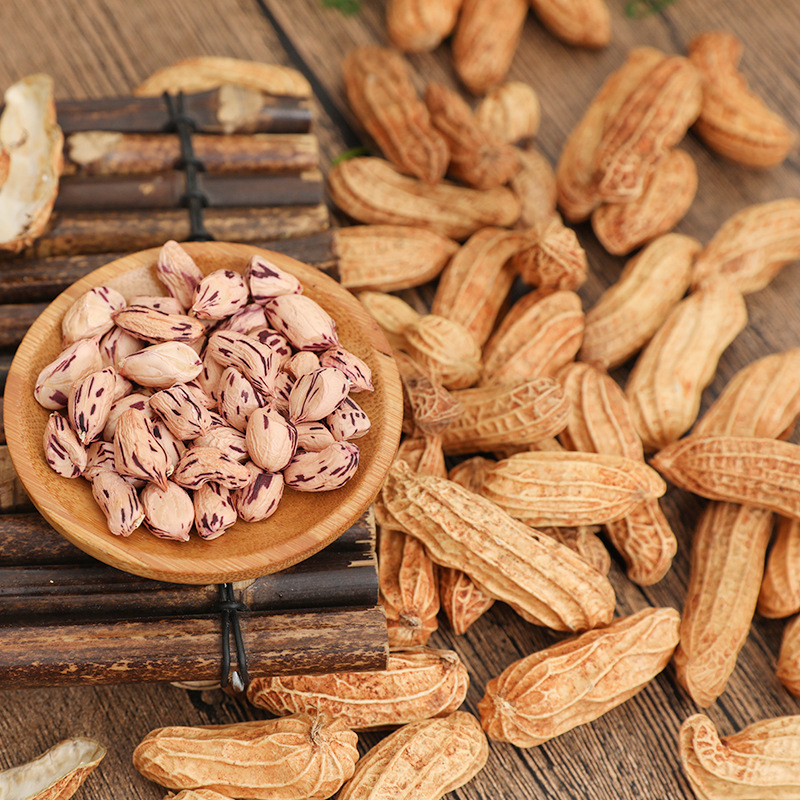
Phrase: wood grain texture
(303, 524)
(631, 752)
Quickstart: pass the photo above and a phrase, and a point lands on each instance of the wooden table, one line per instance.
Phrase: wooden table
(104, 47)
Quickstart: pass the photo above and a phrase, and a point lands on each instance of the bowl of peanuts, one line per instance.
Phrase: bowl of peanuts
(203, 413)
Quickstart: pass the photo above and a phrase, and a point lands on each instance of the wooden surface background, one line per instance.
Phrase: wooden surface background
(104, 47)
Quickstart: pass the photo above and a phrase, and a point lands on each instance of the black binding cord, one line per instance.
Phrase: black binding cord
(229, 608)
(193, 199)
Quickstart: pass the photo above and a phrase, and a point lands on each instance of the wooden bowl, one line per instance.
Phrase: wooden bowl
(304, 523)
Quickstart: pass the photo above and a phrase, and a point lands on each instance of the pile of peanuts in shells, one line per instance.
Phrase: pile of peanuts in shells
(196, 409)
(518, 522)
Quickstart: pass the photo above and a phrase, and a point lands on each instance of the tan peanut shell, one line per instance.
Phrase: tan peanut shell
(535, 185)
(512, 414)
(583, 541)
(752, 247)
(667, 196)
(510, 112)
(578, 680)
(780, 588)
(759, 761)
(576, 169)
(428, 406)
(552, 257)
(600, 422)
(409, 589)
(734, 121)
(538, 336)
(736, 469)
(476, 282)
(417, 684)
(665, 386)
(56, 774)
(788, 671)
(653, 118)
(477, 157)
(423, 455)
(486, 38)
(545, 582)
(392, 313)
(387, 258)
(728, 551)
(471, 473)
(420, 761)
(570, 489)
(461, 600)
(628, 313)
(372, 190)
(584, 23)
(416, 26)
(762, 399)
(299, 756)
(382, 96)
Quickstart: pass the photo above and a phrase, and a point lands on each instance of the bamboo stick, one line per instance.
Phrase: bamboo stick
(106, 153)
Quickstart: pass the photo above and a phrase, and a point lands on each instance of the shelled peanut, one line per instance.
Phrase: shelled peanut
(213, 412)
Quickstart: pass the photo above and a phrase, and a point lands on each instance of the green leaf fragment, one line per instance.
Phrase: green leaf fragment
(354, 152)
(347, 7)
(643, 8)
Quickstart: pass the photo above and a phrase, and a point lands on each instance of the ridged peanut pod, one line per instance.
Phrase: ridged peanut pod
(392, 314)
(471, 473)
(176, 269)
(788, 671)
(89, 403)
(510, 112)
(198, 794)
(323, 471)
(477, 157)
(461, 600)
(585, 542)
(570, 489)
(446, 348)
(600, 422)
(733, 120)
(585, 23)
(736, 469)
(168, 513)
(762, 399)
(214, 511)
(179, 410)
(408, 588)
(495, 416)
(535, 185)
(752, 247)
(387, 258)
(54, 382)
(627, 314)
(539, 335)
(154, 326)
(417, 26)
(56, 774)
(543, 581)
(485, 40)
(119, 502)
(728, 551)
(780, 588)
(371, 190)
(92, 314)
(760, 761)
(653, 118)
(578, 680)
(420, 761)
(417, 684)
(137, 452)
(277, 759)
(260, 498)
(199, 465)
(552, 257)
(162, 365)
(667, 196)
(383, 98)
(63, 451)
(220, 294)
(476, 282)
(430, 407)
(575, 172)
(666, 384)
